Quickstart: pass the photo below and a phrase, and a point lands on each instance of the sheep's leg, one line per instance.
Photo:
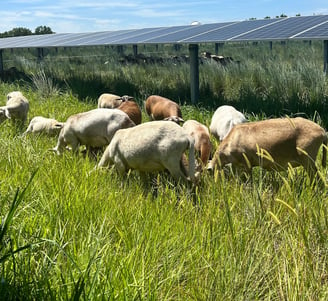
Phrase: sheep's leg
(311, 169)
(74, 142)
(61, 144)
(104, 161)
(174, 167)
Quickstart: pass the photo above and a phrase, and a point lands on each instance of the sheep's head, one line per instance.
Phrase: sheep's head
(126, 98)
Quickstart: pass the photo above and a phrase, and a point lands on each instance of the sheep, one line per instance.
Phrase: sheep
(16, 108)
(201, 135)
(223, 120)
(161, 108)
(150, 147)
(93, 129)
(48, 126)
(111, 101)
(132, 109)
(272, 144)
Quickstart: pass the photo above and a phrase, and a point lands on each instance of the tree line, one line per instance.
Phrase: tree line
(22, 31)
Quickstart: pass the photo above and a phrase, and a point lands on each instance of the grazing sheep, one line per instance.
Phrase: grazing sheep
(161, 108)
(16, 107)
(132, 109)
(93, 128)
(149, 147)
(202, 138)
(273, 144)
(40, 124)
(111, 101)
(223, 120)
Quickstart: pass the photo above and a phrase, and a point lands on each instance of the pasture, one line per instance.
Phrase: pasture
(71, 234)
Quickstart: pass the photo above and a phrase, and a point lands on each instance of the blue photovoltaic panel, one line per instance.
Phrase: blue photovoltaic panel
(310, 27)
(89, 38)
(189, 31)
(120, 35)
(228, 32)
(20, 42)
(51, 40)
(37, 41)
(318, 32)
(287, 28)
(146, 36)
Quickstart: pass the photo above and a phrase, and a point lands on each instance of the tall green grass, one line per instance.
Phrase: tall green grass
(288, 79)
(98, 236)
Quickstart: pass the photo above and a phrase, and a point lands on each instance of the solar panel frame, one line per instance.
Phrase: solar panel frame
(289, 28)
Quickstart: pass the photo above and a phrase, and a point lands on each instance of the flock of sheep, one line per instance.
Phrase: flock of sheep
(116, 128)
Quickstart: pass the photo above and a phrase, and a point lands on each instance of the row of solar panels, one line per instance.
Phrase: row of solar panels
(306, 28)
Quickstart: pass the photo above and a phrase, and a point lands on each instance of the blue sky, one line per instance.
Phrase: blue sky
(64, 16)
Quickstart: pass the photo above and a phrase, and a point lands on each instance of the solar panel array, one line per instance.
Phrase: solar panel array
(292, 28)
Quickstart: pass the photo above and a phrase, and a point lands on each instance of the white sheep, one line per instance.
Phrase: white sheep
(16, 107)
(224, 119)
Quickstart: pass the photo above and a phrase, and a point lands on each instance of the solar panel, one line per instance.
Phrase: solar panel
(287, 28)
(190, 31)
(228, 32)
(129, 35)
(318, 32)
(308, 27)
(139, 35)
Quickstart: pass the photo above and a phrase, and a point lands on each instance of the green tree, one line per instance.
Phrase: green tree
(282, 16)
(43, 30)
(17, 31)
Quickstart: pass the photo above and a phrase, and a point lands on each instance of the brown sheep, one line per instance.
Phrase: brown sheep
(161, 108)
(132, 109)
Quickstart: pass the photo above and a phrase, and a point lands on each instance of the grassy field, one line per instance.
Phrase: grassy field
(68, 234)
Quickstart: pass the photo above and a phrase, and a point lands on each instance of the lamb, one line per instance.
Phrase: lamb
(223, 120)
(48, 126)
(161, 108)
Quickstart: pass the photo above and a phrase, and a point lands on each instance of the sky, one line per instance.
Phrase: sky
(71, 16)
